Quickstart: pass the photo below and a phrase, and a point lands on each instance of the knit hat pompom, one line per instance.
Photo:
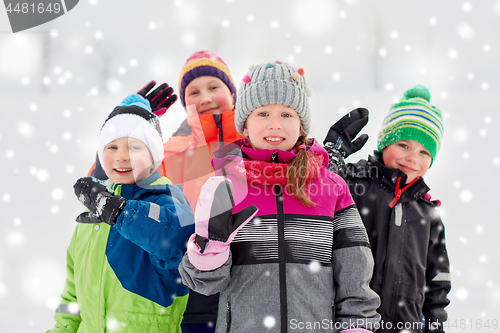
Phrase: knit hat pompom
(133, 118)
(273, 83)
(419, 91)
(137, 100)
(205, 63)
(413, 118)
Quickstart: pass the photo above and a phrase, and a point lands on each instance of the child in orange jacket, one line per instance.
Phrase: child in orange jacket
(208, 93)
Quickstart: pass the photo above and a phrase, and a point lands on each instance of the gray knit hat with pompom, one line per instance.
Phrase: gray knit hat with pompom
(273, 83)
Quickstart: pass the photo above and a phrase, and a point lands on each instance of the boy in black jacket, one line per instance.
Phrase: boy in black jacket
(406, 233)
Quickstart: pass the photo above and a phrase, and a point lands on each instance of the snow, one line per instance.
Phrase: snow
(269, 322)
(54, 91)
(42, 175)
(15, 238)
(466, 196)
(57, 194)
(314, 266)
(461, 294)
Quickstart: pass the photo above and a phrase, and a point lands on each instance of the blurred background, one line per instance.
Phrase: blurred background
(59, 81)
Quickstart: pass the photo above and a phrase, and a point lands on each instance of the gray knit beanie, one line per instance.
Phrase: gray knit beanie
(273, 83)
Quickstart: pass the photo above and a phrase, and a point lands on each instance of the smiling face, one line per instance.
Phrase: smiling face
(408, 156)
(273, 126)
(127, 161)
(209, 95)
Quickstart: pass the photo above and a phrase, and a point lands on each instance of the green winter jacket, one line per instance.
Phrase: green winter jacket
(124, 278)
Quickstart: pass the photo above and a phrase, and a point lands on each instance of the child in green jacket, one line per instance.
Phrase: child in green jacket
(122, 273)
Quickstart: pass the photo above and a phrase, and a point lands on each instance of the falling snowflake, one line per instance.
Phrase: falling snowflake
(3, 290)
(112, 324)
(15, 238)
(57, 194)
(461, 135)
(269, 322)
(465, 31)
(466, 196)
(452, 54)
(314, 266)
(461, 294)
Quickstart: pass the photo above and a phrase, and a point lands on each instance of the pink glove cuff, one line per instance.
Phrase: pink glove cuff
(355, 330)
(214, 256)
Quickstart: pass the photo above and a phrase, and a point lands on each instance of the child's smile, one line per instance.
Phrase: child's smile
(273, 126)
(127, 160)
(408, 156)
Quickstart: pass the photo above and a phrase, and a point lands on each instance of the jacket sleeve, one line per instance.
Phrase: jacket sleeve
(355, 301)
(67, 314)
(205, 282)
(161, 227)
(438, 282)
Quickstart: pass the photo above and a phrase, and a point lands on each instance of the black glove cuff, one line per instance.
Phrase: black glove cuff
(336, 160)
(113, 208)
(201, 242)
(87, 217)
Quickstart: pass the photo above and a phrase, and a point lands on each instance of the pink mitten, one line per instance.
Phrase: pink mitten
(215, 224)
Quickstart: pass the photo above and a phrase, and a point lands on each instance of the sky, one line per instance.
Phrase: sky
(61, 79)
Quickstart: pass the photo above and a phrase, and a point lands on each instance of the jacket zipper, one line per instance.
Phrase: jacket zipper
(398, 214)
(400, 191)
(228, 317)
(218, 123)
(282, 258)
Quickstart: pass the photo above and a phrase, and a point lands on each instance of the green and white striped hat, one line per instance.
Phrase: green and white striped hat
(413, 118)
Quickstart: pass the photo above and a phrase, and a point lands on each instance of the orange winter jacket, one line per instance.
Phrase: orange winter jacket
(188, 153)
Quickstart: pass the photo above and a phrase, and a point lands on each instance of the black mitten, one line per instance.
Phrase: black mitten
(340, 143)
(102, 205)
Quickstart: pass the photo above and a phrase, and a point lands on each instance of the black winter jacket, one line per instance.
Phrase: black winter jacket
(411, 272)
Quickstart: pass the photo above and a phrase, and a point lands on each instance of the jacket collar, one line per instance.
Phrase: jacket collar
(151, 182)
(207, 120)
(241, 149)
(389, 177)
